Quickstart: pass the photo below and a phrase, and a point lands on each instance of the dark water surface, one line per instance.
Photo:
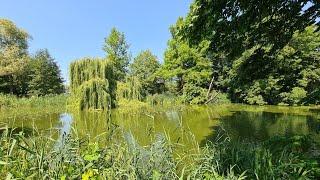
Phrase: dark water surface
(188, 126)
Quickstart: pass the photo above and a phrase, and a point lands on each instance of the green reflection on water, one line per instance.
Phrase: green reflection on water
(188, 126)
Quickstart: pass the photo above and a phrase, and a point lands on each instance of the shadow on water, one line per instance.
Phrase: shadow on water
(27, 132)
(260, 126)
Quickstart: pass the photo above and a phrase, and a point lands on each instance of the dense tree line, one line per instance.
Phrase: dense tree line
(23, 74)
(256, 52)
(259, 52)
(264, 52)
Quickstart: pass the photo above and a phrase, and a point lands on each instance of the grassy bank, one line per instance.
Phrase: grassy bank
(13, 102)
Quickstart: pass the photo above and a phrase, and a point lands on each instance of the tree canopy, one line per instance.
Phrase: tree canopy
(258, 52)
(13, 48)
(44, 74)
(144, 67)
(92, 83)
(116, 49)
(22, 74)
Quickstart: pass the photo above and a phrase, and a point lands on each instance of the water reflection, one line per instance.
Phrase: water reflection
(187, 126)
(64, 128)
(259, 126)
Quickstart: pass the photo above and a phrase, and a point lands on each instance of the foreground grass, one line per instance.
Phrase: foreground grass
(40, 157)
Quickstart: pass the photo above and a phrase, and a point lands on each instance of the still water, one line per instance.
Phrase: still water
(188, 126)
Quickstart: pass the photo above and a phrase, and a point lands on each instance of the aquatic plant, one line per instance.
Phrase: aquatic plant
(92, 83)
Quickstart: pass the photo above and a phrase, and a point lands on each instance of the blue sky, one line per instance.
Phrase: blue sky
(72, 29)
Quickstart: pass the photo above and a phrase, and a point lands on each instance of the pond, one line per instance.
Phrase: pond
(187, 126)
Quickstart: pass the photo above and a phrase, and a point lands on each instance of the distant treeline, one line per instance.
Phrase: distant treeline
(23, 74)
(245, 51)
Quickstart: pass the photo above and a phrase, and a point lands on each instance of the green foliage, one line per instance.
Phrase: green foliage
(92, 83)
(37, 157)
(116, 49)
(76, 159)
(232, 26)
(13, 56)
(290, 77)
(94, 94)
(12, 36)
(189, 68)
(295, 97)
(131, 89)
(44, 74)
(279, 158)
(144, 67)
(194, 94)
(21, 74)
(165, 99)
(257, 52)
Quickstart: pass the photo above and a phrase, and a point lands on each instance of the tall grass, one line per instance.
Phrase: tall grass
(39, 157)
(11, 101)
(277, 158)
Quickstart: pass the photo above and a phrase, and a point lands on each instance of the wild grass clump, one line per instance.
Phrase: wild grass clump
(278, 158)
(40, 157)
(49, 101)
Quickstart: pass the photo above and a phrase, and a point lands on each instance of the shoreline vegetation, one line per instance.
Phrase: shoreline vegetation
(75, 158)
(83, 158)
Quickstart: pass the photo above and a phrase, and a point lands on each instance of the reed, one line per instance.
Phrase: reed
(39, 157)
(49, 101)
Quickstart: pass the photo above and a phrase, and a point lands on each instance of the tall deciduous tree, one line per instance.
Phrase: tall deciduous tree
(144, 67)
(190, 68)
(45, 76)
(13, 56)
(234, 26)
(246, 39)
(291, 77)
(116, 49)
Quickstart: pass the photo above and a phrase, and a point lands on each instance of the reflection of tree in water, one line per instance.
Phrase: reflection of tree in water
(313, 124)
(259, 126)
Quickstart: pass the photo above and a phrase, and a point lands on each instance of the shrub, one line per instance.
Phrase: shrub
(295, 97)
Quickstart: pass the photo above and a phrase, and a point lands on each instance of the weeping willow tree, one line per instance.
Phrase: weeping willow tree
(131, 89)
(92, 83)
